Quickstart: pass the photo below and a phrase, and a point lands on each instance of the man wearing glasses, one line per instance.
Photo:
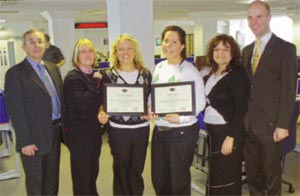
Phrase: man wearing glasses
(33, 92)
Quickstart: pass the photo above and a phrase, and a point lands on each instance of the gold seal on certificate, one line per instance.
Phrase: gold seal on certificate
(173, 98)
(124, 99)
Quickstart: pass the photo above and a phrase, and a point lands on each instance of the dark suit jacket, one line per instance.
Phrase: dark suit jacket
(82, 96)
(273, 86)
(29, 105)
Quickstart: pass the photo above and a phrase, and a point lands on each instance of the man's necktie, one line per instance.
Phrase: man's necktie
(256, 55)
(51, 90)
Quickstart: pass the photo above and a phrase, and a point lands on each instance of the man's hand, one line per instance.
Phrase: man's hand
(280, 134)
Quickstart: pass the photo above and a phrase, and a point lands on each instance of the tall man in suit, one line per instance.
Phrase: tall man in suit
(271, 103)
(33, 92)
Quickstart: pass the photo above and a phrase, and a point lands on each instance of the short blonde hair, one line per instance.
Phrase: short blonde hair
(76, 51)
(138, 59)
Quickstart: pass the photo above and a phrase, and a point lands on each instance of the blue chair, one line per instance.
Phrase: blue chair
(3, 114)
(200, 121)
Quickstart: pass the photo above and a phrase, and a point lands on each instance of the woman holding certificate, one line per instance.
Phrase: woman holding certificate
(82, 96)
(175, 134)
(227, 90)
(128, 131)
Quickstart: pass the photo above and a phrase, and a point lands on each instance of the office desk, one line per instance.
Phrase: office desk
(5, 129)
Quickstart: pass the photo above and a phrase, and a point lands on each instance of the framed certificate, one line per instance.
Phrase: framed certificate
(124, 99)
(173, 98)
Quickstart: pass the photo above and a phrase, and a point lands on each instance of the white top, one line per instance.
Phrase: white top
(204, 71)
(212, 116)
(166, 73)
(130, 78)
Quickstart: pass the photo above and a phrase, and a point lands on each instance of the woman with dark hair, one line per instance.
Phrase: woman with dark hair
(175, 136)
(227, 91)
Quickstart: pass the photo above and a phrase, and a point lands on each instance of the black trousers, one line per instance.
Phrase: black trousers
(42, 170)
(263, 164)
(128, 148)
(172, 156)
(225, 172)
(84, 141)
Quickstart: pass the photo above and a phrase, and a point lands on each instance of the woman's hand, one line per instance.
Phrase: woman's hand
(102, 117)
(29, 150)
(227, 145)
(97, 74)
(172, 118)
(150, 115)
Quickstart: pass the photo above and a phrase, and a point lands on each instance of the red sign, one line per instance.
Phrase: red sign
(90, 25)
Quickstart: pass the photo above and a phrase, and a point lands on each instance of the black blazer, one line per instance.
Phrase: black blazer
(29, 105)
(230, 98)
(273, 86)
(82, 96)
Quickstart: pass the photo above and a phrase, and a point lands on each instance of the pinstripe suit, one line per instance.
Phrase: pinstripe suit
(271, 104)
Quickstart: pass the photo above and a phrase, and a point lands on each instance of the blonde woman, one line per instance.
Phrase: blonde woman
(81, 128)
(128, 135)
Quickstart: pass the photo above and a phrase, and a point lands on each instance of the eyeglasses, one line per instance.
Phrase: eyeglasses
(32, 42)
(221, 49)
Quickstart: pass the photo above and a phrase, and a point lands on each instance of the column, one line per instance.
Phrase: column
(136, 18)
(204, 30)
(62, 32)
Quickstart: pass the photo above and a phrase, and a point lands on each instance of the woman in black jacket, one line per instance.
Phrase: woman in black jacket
(227, 91)
(81, 127)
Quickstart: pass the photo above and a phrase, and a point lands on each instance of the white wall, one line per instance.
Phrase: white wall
(296, 34)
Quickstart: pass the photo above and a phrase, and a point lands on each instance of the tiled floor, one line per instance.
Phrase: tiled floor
(104, 182)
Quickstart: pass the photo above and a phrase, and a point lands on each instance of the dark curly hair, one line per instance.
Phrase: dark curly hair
(234, 49)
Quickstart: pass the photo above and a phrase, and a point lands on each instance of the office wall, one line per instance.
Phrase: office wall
(296, 34)
(159, 26)
(14, 32)
(98, 36)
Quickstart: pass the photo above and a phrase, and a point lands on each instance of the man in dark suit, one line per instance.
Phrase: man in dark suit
(33, 92)
(271, 103)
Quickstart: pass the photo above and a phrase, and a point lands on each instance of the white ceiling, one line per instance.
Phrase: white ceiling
(95, 10)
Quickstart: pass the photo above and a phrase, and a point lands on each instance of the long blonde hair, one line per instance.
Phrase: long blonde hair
(138, 59)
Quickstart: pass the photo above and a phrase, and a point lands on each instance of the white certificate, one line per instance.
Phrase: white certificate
(124, 99)
(173, 98)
